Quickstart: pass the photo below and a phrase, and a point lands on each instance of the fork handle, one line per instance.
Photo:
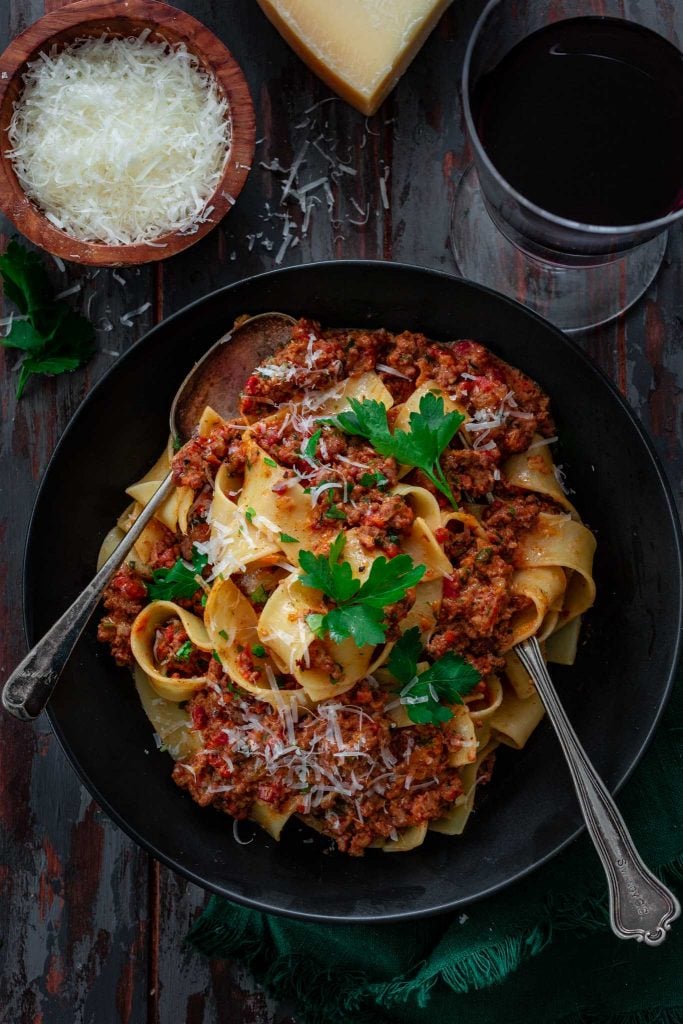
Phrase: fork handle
(641, 907)
(30, 686)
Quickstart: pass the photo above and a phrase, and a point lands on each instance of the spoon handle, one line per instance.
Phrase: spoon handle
(28, 689)
(641, 907)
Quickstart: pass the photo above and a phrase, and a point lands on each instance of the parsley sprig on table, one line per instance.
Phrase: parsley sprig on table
(53, 337)
(447, 681)
(431, 431)
(178, 581)
(359, 611)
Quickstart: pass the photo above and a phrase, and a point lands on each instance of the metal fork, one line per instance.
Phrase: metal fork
(641, 907)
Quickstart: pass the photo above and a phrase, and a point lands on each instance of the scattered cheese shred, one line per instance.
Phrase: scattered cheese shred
(120, 140)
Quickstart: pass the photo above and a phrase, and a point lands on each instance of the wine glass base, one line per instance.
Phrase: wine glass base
(572, 298)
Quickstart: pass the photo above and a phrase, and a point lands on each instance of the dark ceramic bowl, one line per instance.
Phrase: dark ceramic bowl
(614, 693)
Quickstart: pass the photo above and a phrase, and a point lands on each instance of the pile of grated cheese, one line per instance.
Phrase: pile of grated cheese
(120, 140)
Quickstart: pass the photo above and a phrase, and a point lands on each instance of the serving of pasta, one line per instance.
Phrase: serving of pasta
(321, 618)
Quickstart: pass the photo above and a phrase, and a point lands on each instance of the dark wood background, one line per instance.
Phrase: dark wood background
(92, 928)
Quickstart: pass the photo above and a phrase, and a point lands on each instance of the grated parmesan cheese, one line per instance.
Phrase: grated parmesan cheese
(120, 140)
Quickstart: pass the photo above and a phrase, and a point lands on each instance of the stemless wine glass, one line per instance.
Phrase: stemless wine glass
(577, 275)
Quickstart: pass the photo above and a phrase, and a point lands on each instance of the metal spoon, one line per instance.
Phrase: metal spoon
(212, 381)
(641, 907)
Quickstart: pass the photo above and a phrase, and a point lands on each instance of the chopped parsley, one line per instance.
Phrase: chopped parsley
(216, 657)
(447, 681)
(179, 581)
(183, 653)
(249, 514)
(286, 539)
(431, 431)
(258, 650)
(223, 635)
(311, 446)
(270, 462)
(360, 606)
(335, 512)
(260, 595)
(373, 480)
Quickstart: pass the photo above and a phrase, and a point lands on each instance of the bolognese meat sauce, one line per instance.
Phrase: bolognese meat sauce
(345, 766)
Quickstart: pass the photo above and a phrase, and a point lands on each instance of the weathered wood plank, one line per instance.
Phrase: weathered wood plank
(73, 888)
(92, 929)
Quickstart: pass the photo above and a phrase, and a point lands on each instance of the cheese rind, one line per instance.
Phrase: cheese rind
(360, 48)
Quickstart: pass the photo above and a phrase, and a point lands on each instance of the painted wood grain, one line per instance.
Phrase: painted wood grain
(92, 928)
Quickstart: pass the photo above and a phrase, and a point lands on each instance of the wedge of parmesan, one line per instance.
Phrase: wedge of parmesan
(360, 48)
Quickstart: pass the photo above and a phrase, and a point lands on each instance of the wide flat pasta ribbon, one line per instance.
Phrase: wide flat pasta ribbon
(142, 640)
(173, 512)
(561, 541)
(283, 628)
(232, 626)
(454, 821)
(235, 540)
(534, 470)
(171, 722)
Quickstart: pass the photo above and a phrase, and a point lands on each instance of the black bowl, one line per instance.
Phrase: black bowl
(614, 694)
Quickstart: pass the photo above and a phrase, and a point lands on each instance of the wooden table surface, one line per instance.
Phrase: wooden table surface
(91, 928)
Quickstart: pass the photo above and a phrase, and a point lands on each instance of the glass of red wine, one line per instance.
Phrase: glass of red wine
(576, 127)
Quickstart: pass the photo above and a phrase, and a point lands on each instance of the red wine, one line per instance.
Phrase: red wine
(585, 119)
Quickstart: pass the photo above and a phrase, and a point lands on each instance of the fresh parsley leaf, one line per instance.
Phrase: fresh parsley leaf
(260, 595)
(373, 480)
(311, 446)
(54, 337)
(249, 514)
(316, 623)
(404, 656)
(335, 512)
(389, 580)
(270, 462)
(258, 650)
(335, 579)
(445, 682)
(359, 611)
(183, 653)
(178, 581)
(223, 635)
(286, 539)
(367, 418)
(431, 431)
(216, 657)
(450, 679)
(360, 621)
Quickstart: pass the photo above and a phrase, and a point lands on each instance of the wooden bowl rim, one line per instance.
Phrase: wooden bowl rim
(213, 53)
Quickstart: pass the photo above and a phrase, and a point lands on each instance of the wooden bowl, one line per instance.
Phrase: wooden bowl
(123, 18)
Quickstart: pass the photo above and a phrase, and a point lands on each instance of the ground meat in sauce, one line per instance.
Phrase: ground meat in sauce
(471, 474)
(231, 773)
(174, 654)
(475, 614)
(335, 355)
(124, 599)
(198, 461)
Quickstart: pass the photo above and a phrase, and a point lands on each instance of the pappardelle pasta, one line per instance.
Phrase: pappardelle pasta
(321, 618)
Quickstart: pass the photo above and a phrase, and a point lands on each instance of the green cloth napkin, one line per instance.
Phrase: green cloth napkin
(540, 952)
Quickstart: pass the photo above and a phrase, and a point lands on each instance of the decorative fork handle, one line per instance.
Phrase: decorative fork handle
(28, 689)
(641, 907)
